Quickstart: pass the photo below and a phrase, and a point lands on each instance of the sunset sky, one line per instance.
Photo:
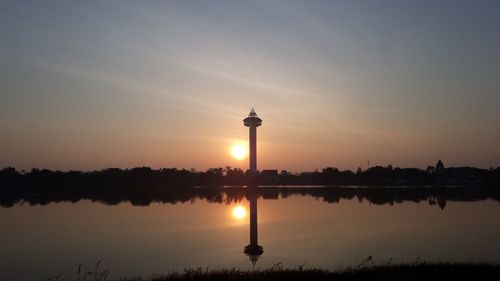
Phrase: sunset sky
(90, 85)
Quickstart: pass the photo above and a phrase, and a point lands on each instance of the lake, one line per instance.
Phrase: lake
(297, 228)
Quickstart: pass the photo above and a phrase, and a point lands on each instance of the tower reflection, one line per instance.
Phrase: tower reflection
(253, 250)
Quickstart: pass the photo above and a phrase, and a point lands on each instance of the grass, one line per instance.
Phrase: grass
(364, 271)
(413, 271)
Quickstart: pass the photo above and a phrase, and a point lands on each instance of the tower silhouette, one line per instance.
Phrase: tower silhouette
(253, 250)
(253, 121)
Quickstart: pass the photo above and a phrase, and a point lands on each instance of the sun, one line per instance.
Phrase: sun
(238, 152)
(239, 212)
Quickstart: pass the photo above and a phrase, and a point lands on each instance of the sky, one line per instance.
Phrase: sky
(89, 85)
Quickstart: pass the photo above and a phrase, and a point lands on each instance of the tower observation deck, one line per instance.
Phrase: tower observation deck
(252, 122)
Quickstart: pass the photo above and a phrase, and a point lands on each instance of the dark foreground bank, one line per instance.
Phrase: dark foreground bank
(420, 271)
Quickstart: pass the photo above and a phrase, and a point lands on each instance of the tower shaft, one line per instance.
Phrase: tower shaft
(253, 148)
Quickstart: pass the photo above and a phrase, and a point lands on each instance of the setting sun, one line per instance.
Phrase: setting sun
(238, 152)
(239, 212)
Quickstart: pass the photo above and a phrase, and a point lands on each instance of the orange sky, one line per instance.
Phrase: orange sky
(92, 85)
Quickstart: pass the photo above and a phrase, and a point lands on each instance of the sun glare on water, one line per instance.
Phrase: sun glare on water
(239, 212)
(238, 152)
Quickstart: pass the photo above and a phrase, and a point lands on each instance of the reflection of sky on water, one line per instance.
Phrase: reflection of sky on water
(44, 240)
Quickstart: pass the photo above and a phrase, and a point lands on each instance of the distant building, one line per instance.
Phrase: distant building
(270, 173)
(439, 166)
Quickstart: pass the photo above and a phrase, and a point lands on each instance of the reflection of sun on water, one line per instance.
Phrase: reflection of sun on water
(239, 212)
(238, 151)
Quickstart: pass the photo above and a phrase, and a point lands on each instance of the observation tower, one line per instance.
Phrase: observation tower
(252, 122)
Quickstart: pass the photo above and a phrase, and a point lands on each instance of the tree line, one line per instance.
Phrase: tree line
(172, 177)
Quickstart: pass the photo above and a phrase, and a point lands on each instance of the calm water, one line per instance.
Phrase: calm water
(41, 241)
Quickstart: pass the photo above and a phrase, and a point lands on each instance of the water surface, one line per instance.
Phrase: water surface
(41, 241)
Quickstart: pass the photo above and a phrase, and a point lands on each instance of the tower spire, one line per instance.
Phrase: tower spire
(252, 113)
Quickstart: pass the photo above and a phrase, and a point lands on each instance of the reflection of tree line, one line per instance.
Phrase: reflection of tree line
(146, 195)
